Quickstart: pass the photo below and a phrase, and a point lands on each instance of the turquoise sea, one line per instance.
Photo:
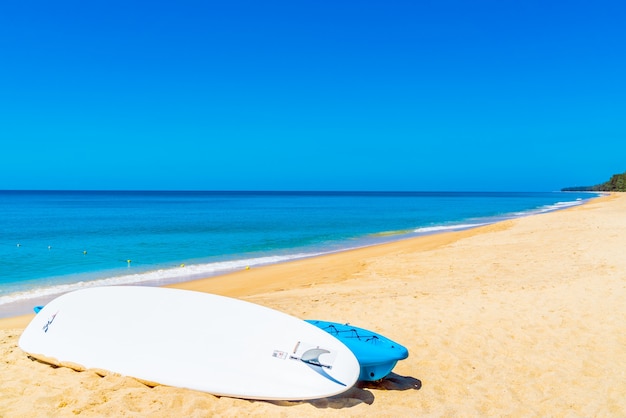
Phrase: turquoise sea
(56, 241)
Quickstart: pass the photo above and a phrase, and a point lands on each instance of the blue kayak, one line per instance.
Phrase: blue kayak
(377, 355)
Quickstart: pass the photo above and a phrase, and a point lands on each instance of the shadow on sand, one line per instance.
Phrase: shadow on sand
(360, 393)
(392, 382)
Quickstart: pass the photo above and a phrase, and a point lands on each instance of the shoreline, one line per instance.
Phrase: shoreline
(174, 276)
(243, 283)
(523, 317)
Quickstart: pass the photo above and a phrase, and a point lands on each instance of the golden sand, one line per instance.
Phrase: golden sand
(520, 318)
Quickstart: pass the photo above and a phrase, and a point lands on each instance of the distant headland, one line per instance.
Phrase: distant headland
(616, 184)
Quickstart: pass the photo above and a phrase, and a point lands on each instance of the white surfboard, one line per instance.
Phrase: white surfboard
(192, 340)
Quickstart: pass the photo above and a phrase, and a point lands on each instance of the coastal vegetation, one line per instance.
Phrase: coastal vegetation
(617, 183)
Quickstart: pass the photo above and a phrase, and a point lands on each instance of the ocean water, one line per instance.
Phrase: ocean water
(56, 241)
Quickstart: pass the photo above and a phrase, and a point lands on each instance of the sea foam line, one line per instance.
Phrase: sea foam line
(497, 218)
(549, 208)
(169, 275)
(452, 227)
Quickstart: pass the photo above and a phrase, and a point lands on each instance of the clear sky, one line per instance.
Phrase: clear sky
(312, 94)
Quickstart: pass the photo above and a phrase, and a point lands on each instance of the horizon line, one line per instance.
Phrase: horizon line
(280, 191)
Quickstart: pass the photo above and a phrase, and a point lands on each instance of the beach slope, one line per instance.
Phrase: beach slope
(521, 318)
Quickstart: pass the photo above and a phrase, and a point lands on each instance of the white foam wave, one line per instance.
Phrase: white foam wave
(458, 227)
(444, 228)
(550, 208)
(163, 275)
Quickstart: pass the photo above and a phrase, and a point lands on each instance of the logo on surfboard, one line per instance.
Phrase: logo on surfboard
(310, 355)
(307, 353)
(47, 325)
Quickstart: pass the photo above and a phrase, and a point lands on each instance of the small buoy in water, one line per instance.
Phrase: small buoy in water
(19, 245)
(128, 261)
(49, 246)
(84, 252)
(182, 265)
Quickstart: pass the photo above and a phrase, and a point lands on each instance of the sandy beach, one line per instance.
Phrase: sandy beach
(521, 318)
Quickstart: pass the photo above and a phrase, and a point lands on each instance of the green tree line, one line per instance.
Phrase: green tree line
(617, 183)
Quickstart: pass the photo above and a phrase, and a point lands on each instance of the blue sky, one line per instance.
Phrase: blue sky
(312, 95)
